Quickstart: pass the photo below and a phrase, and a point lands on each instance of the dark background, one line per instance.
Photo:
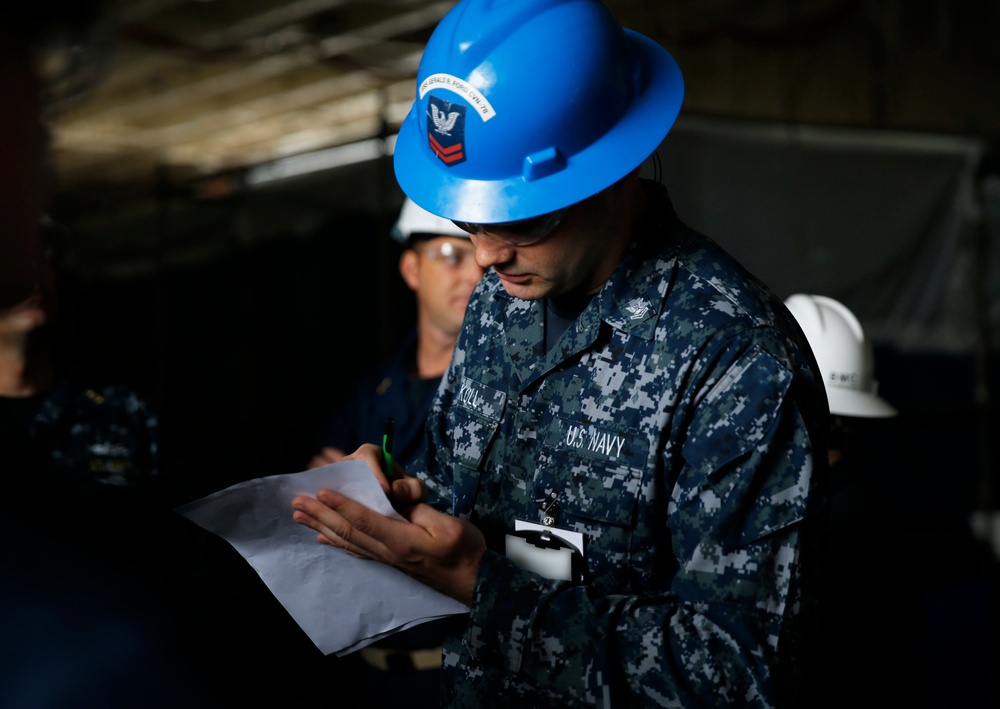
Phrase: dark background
(242, 318)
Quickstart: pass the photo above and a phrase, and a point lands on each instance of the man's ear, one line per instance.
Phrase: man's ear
(409, 267)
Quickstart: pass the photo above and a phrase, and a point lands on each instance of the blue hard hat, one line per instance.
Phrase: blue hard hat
(527, 106)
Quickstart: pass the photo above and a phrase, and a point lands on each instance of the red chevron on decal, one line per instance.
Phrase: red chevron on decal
(447, 155)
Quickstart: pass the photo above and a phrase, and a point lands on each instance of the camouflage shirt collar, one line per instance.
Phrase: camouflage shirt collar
(633, 297)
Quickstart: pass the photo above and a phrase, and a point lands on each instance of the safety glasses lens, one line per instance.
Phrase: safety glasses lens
(518, 233)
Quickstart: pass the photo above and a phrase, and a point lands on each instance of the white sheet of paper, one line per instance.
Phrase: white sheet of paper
(341, 602)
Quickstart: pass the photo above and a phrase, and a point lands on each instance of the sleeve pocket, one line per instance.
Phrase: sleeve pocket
(749, 452)
(737, 413)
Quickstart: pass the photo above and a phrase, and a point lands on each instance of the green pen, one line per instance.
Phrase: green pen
(388, 439)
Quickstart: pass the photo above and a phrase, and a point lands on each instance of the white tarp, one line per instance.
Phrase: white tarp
(889, 223)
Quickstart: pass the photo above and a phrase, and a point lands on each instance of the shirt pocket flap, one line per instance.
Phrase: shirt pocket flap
(597, 470)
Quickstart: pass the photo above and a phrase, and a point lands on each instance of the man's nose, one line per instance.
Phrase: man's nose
(490, 252)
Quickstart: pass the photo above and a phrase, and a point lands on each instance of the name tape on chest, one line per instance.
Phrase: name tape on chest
(481, 399)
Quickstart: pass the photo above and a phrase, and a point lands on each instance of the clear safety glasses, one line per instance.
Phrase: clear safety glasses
(449, 254)
(520, 233)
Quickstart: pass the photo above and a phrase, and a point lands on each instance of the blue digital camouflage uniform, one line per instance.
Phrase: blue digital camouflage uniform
(81, 435)
(682, 425)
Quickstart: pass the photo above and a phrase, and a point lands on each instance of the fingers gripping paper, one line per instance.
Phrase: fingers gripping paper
(342, 603)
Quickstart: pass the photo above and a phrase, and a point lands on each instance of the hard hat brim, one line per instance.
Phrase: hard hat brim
(620, 150)
(846, 402)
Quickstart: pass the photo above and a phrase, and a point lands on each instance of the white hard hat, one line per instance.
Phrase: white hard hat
(416, 221)
(844, 355)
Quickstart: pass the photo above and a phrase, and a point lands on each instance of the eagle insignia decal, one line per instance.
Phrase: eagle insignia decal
(446, 130)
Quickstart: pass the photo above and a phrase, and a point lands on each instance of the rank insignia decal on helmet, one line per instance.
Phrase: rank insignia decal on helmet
(447, 137)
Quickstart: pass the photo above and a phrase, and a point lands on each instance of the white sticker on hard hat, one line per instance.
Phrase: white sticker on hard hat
(460, 87)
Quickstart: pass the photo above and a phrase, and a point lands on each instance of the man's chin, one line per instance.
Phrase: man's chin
(531, 291)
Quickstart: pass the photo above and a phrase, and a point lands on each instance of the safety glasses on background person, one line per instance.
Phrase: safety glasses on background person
(448, 253)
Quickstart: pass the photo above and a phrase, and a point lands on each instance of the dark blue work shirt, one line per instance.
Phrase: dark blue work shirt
(391, 389)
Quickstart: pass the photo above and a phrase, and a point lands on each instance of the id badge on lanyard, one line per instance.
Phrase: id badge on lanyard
(546, 549)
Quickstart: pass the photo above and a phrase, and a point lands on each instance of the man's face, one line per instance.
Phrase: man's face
(577, 257)
(443, 273)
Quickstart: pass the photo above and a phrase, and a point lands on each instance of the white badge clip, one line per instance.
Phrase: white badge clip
(549, 551)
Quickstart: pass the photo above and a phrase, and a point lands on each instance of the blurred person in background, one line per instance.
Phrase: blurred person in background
(847, 360)
(438, 264)
(872, 633)
(893, 603)
(53, 422)
(81, 627)
(54, 425)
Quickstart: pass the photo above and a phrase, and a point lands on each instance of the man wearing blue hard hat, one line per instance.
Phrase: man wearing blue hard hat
(629, 445)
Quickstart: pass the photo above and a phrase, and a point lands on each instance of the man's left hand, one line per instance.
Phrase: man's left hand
(437, 549)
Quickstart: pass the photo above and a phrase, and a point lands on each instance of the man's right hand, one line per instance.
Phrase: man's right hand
(326, 456)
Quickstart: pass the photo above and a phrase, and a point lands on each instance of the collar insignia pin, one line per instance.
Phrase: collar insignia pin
(637, 308)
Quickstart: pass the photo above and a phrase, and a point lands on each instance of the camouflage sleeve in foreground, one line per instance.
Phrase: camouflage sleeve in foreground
(676, 423)
(106, 435)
